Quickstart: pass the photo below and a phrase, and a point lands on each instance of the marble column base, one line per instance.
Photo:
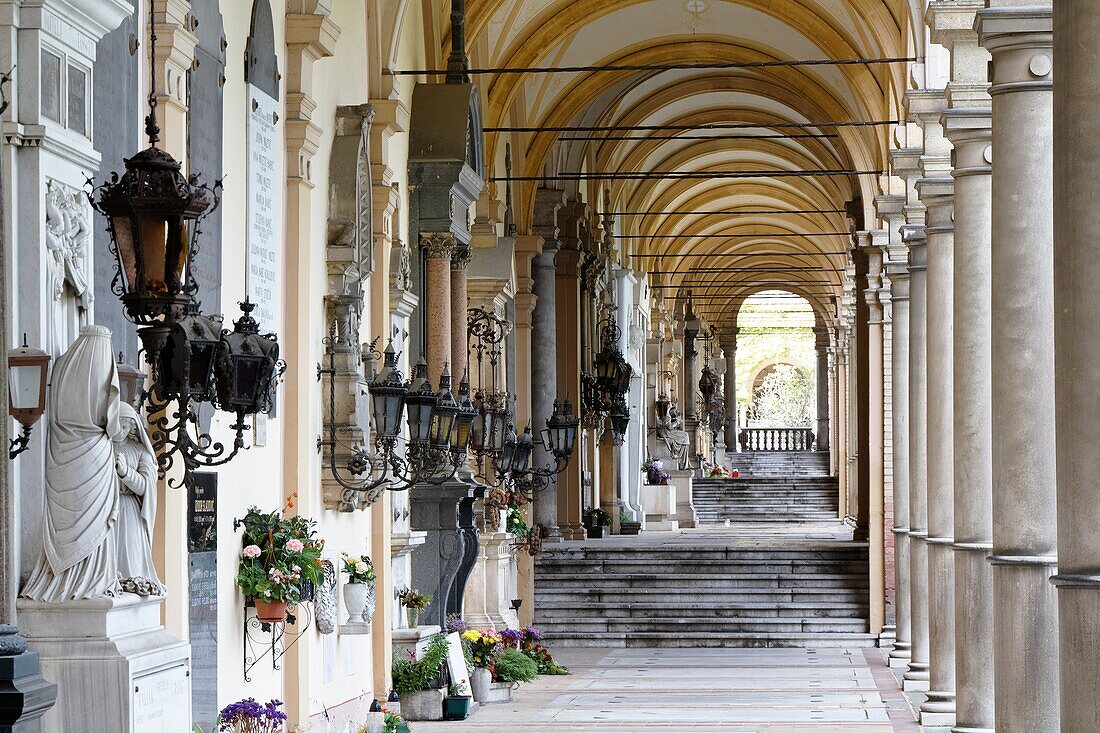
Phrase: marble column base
(1079, 627)
(915, 678)
(572, 531)
(937, 712)
(25, 695)
(117, 669)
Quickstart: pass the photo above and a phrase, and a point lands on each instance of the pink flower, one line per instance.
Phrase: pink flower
(294, 545)
(251, 551)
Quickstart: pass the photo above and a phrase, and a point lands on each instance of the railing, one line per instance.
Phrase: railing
(776, 439)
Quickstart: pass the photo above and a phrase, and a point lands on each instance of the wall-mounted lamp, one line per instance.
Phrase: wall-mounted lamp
(27, 368)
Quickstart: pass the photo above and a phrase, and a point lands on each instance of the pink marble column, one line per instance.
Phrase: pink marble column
(460, 265)
(437, 347)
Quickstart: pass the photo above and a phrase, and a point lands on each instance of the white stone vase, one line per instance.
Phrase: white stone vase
(481, 681)
(359, 601)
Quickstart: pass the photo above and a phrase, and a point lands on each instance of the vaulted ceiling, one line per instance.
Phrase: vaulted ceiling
(774, 125)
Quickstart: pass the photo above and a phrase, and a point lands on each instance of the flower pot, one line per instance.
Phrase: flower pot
(359, 601)
(480, 681)
(413, 616)
(423, 705)
(270, 612)
(595, 531)
(456, 708)
(630, 527)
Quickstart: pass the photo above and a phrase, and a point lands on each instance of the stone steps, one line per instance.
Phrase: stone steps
(745, 610)
(711, 597)
(668, 639)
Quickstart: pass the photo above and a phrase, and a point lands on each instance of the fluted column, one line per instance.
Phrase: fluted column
(729, 351)
(821, 348)
(916, 677)
(1025, 549)
(437, 336)
(938, 709)
(1077, 356)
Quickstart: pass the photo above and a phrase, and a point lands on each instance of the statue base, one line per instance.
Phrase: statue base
(685, 504)
(116, 667)
(25, 695)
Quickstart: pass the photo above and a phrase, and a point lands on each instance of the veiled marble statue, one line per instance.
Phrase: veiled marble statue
(136, 466)
(676, 439)
(80, 551)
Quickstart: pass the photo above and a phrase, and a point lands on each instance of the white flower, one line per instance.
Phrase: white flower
(361, 567)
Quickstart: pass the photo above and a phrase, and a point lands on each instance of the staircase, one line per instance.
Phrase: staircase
(764, 498)
(784, 464)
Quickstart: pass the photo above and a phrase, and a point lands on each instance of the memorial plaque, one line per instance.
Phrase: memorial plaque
(160, 699)
(264, 207)
(202, 544)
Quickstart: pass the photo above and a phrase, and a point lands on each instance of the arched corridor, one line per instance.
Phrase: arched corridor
(740, 355)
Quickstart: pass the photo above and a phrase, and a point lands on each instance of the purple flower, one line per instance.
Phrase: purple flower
(511, 636)
(266, 718)
(457, 625)
(532, 632)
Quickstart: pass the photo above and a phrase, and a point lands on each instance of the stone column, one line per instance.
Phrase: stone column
(437, 293)
(1077, 351)
(938, 710)
(821, 347)
(729, 351)
(691, 330)
(916, 677)
(568, 327)
(834, 465)
(1025, 547)
(875, 430)
(969, 131)
(890, 209)
(842, 421)
(859, 491)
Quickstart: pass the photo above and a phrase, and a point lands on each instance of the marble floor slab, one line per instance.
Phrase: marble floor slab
(713, 690)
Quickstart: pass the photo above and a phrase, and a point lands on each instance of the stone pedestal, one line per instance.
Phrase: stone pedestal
(436, 565)
(25, 695)
(411, 640)
(402, 545)
(685, 503)
(116, 667)
(659, 505)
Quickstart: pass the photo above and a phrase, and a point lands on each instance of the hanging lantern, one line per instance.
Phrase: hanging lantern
(460, 438)
(388, 391)
(192, 352)
(444, 414)
(507, 461)
(620, 419)
(561, 430)
(250, 368)
(524, 447)
(421, 401)
(131, 383)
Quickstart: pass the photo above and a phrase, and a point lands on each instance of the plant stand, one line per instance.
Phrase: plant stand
(499, 692)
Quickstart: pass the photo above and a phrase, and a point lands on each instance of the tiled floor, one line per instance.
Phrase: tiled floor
(715, 690)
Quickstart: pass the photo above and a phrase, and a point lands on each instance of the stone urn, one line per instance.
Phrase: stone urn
(412, 615)
(359, 601)
(481, 682)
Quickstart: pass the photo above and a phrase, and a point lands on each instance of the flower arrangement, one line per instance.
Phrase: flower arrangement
(279, 557)
(655, 476)
(511, 637)
(358, 567)
(413, 675)
(597, 518)
(249, 716)
(391, 722)
(412, 598)
(516, 524)
(532, 647)
(715, 470)
(481, 646)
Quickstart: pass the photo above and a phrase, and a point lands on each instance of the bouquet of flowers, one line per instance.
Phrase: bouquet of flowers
(482, 646)
(249, 716)
(654, 474)
(533, 649)
(359, 568)
(715, 470)
(412, 598)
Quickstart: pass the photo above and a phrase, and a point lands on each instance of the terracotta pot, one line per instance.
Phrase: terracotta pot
(270, 611)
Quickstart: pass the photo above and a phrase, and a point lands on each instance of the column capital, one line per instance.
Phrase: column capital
(460, 257)
(952, 26)
(1021, 41)
(439, 245)
(971, 133)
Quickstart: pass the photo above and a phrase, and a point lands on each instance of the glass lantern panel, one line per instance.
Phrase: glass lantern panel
(153, 231)
(124, 239)
(24, 387)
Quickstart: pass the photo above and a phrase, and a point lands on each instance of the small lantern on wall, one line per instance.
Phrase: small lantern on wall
(131, 382)
(27, 369)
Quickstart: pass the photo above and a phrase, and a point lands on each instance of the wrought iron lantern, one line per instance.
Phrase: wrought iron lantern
(131, 383)
(560, 435)
(248, 372)
(27, 369)
(421, 401)
(444, 415)
(613, 374)
(388, 392)
(464, 420)
(620, 420)
(193, 350)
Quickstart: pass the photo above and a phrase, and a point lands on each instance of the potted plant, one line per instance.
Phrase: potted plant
(513, 666)
(594, 521)
(249, 716)
(359, 588)
(534, 649)
(481, 648)
(456, 706)
(414, 602)
(654, 475)
(628, 525)
(280, 557)
(413, 681)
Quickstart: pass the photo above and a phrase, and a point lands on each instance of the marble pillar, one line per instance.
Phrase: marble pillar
(690, 382)
(460, 265)
(821, 348)
(916, 677)
(938, 710)
(890, 208)
(969, 130)
(1077, 359)
(437, 293)
(1025, 542)
(859, 489)
(729, 352)
(875, 430)
(567, 324)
